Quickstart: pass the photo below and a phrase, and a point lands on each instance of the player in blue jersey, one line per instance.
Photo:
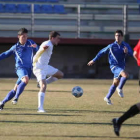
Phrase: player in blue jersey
(23, 51)
(117, 53)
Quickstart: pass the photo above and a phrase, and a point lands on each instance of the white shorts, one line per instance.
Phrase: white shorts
(43, 73)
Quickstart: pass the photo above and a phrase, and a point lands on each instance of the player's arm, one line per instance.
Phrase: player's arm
(130, 51)
(136, 50)
(6, 53)
(34, 45)
(40, 52)
(135, 55)
(100, 54)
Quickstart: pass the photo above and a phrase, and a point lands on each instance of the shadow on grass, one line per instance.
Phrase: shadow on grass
(70, 136)
(67, 123)
(86, 111)
(38, 90)
(36, 114)
(65, 111)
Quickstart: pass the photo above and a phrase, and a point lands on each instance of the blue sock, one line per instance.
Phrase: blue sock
(122, 82)
(20, 89)
(9, 96)
(111, 91)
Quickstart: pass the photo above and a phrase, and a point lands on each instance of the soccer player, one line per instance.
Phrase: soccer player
(41, 69)
(117, 122)
(117, 53)
(136, 55)
(23, 51)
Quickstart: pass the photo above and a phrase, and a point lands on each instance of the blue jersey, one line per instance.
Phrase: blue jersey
(23, 53)
(116, 55)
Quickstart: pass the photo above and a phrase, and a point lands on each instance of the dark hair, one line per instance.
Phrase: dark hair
(22, 31)
(53, 34)
(120, 32)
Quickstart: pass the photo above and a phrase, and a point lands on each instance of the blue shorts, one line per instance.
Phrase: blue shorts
(22, 72)
(117, 71)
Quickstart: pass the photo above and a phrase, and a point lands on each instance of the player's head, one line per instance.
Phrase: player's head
(54, 37)
(22, 35)
(119, 36)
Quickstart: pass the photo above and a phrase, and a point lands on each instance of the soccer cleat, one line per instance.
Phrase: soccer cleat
(14, 102)
(120, 92)
(108, 101)
(116, 126)
(38, 85)
(1, 106)
(41, 111)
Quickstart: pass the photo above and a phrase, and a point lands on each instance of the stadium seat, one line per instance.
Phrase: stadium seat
(18, 0)
(7, 0)
(53, 0)
(47, 9)
(37, 8)
(41, 0)
(2, 8)
(28, 0)
(23, 8)
(10, 8)
(59, 9)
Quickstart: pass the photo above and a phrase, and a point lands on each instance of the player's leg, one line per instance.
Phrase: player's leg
(41, 78)
(41, 95)
(58, 75)
(117, 122)
(111, 91)
(123, 79)
(8, 97)
(24, 75)
(53, 75)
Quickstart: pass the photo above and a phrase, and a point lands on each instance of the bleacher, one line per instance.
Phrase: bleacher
(26, 8)
(97, 19)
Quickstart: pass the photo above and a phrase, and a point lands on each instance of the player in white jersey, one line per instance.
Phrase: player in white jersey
(41, 69)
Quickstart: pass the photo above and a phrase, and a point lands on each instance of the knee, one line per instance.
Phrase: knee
(25, 79)
(126, 76)
(60, 75)
(116, 83)
(42, 87)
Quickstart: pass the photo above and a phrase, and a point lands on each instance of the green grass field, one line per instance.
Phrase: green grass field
(67, 117)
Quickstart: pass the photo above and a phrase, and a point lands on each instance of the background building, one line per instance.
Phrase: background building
(85, 26)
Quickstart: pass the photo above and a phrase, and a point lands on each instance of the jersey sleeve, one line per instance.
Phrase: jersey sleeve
(137, 47)
(7, 53)
(34, 45)
(130, 51)
(43, 45)
(102, 52)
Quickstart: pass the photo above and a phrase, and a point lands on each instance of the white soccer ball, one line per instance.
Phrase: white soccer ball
(77, 91)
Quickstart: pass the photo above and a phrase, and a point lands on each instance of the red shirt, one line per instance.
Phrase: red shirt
(137, 49)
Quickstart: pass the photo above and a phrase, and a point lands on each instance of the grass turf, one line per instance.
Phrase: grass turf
(67, 117)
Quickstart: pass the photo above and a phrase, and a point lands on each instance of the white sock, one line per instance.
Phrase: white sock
(41, 96)
(51, 79)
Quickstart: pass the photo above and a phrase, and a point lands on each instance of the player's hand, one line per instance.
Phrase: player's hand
(125, 49)
(45, 47)
(90, 63)
(34, 45)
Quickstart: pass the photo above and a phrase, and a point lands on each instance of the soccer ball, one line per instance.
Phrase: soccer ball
(77, 91)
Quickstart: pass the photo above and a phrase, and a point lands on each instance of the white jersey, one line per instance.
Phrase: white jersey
(41, 59)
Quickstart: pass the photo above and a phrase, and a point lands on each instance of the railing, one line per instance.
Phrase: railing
(125, 18)
(79, 16)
